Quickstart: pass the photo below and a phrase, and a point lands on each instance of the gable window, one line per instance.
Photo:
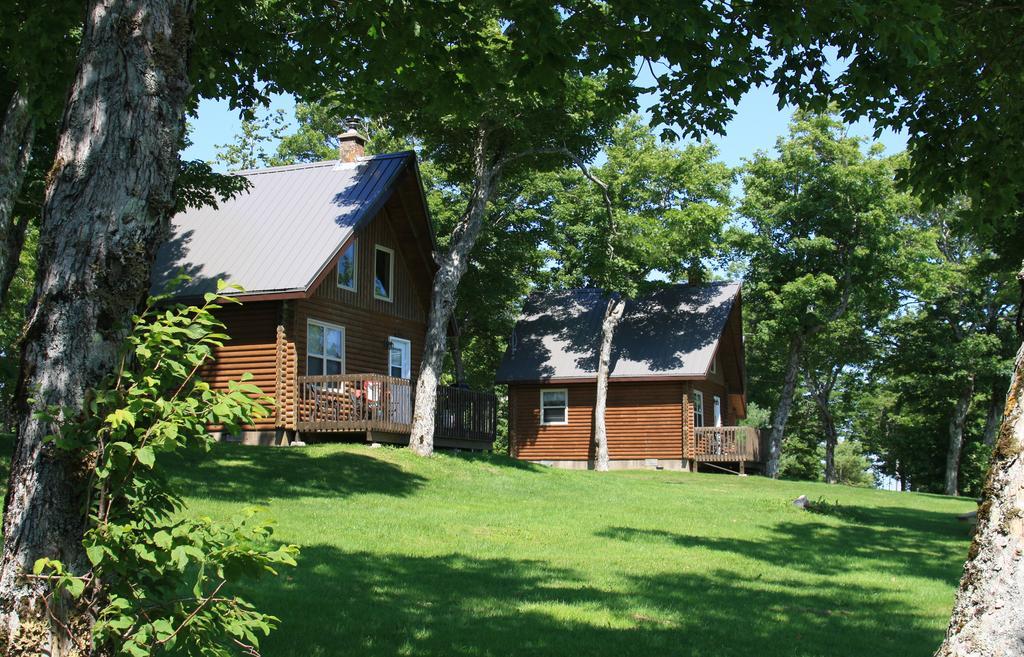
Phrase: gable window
(554, 406)
(714, 365)
(347, 267)
(399, 357)
(325, 348)
(383, 272)
(698, 408)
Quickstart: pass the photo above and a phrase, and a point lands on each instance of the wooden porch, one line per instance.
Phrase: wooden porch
(740, 445)
(383, 405)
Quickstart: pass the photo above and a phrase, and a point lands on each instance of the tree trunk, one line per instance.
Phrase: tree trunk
(986, 618)
(105, 211)
(16, 136)
(822, 391)
(956, 436)
(994, 417)
(451, 268)
(612, 315)
(460, 371)
(831, 439)
(781, 415)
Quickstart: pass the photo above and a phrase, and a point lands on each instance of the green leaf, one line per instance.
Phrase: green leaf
(146, 456)
(74, 586)
(95, 554)
(162, 540)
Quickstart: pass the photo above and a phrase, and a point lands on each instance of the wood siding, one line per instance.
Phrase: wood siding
(369, 322)
(645, 420)
(253, 348)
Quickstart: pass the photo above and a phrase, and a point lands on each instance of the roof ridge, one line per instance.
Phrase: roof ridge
(316, 165)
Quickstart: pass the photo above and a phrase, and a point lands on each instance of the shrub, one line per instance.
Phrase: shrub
(157, 578)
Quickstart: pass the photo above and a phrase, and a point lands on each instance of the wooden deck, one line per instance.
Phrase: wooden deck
(727, 444)
(357, 403)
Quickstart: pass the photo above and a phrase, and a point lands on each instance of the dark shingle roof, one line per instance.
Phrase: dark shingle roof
(278, 235)
(673, 332)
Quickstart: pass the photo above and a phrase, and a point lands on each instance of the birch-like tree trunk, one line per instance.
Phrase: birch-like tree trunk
(16, 137)
(451, 267)
(956, 436)
(609, 322)
(106, 209)
(782, 410)
(988, 615)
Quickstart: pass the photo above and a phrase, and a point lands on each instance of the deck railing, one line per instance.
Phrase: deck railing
(727, 444)
(354, 402)
(374, 402)
(463, 414)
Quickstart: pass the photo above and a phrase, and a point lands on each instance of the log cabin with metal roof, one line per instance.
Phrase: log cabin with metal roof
(336, 263)
(676, 389)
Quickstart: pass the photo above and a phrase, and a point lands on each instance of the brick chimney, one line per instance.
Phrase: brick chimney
(351, 144)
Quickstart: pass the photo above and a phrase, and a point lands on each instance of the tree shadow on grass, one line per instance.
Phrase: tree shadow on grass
(257, 474)
(379, 605)
(904, 542)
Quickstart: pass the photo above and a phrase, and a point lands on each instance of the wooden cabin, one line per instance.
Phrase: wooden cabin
(676, 389)
(336, 260)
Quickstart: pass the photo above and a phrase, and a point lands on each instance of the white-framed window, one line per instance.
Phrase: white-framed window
(399, 357)
(347, 267)
(714, 365)
(383, 273)
(554, 406)
(325, 348)
(717, 409)
(698, 408)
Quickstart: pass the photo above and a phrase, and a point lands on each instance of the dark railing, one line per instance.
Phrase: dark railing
(463, 414)
(374, 402)
(727, 444)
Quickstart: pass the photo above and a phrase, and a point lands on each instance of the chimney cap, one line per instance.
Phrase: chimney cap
(351, 143)
(352, 125)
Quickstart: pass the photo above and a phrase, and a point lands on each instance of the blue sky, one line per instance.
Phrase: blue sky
(757, 124)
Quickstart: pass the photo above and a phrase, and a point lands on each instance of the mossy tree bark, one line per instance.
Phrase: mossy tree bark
(988, 615)
(106, 209)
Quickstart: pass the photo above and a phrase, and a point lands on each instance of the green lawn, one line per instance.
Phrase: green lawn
(458, 555)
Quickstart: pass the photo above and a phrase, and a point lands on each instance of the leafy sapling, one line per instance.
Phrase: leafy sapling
(154, 578)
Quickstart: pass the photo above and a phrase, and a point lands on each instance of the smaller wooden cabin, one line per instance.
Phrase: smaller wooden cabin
(676, 390)
(337, 261)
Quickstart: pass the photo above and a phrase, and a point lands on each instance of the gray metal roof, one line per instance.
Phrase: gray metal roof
(672, 332)
(280, 233)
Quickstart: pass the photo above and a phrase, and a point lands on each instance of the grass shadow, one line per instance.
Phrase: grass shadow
(379, 605)
(906, 542)
(257, 474)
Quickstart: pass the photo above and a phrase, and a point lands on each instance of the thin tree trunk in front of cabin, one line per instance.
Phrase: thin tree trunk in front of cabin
(16, 136)
(460, 372)
(956, 436)
(987, 615)
(781, 415)
(610, 321)
(106, 209)
(993, 416)
(452, 266)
